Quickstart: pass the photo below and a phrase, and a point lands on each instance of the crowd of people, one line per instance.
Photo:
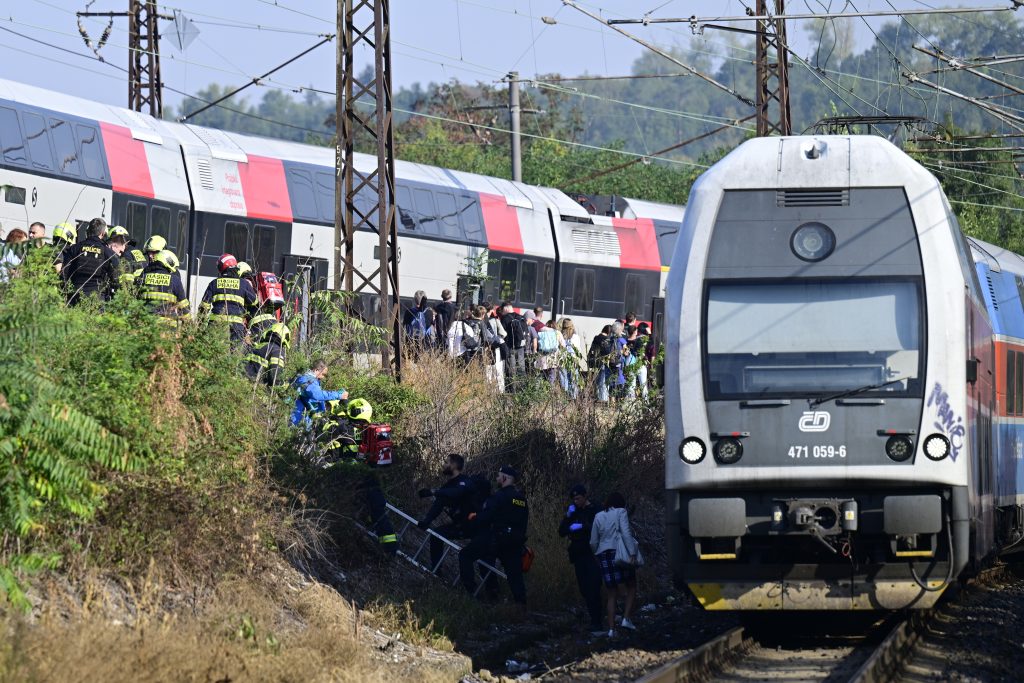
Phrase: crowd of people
(515, 346)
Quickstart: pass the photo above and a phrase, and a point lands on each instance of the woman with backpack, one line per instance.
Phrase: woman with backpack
(571, 358)
(618, 554)
(549, 341)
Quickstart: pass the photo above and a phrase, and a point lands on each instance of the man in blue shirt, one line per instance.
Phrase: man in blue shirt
(312, 397)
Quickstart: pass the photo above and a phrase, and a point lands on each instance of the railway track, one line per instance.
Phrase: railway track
(743, 654)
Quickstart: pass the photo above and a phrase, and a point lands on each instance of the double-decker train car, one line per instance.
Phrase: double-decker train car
(271, 203)
(834, 384)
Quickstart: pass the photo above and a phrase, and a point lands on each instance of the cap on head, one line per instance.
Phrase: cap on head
(577, 490)
(226, 262)
(154, 244)
(509, 471)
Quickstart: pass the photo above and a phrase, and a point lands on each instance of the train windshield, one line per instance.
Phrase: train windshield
(805, 338)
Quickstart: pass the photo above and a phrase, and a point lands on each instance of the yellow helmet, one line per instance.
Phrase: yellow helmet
(167, 259)
(335, 407)
(360, 409)
(65, 232)
(243, 269)
(155, 243)
(117, 231)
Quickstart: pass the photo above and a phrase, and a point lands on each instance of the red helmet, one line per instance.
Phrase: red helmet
(225, 262)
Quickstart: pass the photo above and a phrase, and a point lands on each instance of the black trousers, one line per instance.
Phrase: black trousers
(588, 578)
(509, 554)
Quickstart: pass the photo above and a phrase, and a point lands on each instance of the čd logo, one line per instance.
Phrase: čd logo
(815, 421)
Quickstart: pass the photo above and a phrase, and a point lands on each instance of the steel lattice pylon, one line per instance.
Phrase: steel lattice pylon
(772, 72)
(144, 84)
(364, 113)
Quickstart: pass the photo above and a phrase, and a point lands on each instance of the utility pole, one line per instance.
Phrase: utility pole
(514, 125)
(145, 87)
(772, 67)
(364, 110)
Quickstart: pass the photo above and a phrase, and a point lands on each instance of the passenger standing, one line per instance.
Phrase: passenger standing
(618, 359)
(641, 349)
(538, 315)
(311, 399)
(418, 323)
(12, 253)
(516, 338)
(598, 358)
(455, 497)
(229, 298)
(549, 343)
(570, 363)
(494, 336)
(159, 285)
(531, 344)
(466, 338)
(500, 531)
(620, 579)
(90, 267)
(578, 524)
(37, 233)
(444, 315)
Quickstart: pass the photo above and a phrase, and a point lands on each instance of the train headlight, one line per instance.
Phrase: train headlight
(899, 447)
(728, 450)
(936, 447)
(812, 241)
(692, 450)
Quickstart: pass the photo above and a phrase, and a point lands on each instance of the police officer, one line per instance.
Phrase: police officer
(454, 498)
(500, 531)
(577, 525)
(64, 235)
(230, 297)
(90, 267)
(159, 285)
(266, 359)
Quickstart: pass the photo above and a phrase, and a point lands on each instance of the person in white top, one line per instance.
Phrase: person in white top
(609, 526)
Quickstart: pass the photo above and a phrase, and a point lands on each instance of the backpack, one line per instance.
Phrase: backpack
(418, 327)
(547, 340)
(613, 352)
(472, 342)
(517, 332)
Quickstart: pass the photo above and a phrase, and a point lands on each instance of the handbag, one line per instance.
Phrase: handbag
(623, 557)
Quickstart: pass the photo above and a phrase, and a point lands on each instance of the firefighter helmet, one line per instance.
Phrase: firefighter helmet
(335, 407)
(167, 259)
(226, 262)
(360, 409)
(282, 332)
(65, 232)
(244, 269)
(154, 244)
(117, 231)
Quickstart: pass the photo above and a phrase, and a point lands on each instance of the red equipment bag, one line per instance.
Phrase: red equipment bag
(376, 446)
(270, 290)
(528, 557)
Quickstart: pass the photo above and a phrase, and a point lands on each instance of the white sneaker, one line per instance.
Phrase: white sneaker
(627, 624)
(611, 633)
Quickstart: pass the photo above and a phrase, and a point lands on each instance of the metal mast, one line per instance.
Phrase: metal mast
(364, 114)
(772, 72)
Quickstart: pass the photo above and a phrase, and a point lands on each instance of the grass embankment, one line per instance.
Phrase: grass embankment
(155, 508)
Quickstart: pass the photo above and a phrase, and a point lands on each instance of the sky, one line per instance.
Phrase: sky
(432, 40)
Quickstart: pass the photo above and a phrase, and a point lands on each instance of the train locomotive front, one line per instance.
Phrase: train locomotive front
(829, 366)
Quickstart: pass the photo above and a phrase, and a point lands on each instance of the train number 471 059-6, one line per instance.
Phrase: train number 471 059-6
(819, 451)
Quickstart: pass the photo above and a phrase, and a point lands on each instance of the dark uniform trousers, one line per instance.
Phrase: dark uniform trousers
(502, 532)
(588, 578)
(229, 298)
(266, 362)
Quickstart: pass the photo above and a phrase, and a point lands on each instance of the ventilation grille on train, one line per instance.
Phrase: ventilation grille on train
(205, 174)
(812, 198)
(992, 291)
(596, 242)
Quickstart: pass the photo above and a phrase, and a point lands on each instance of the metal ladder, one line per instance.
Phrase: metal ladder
(447, 567)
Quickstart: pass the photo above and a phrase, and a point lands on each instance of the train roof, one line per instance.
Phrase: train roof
(996, 258)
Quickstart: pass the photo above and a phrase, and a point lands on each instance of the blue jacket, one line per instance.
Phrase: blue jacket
(311, 398)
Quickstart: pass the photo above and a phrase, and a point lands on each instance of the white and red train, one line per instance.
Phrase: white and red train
(271, 203)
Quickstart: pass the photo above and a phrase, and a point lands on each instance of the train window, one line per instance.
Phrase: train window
(426, 212)
(38, 142)
(470, 213)
(405, 209)
(448, 214)
(160, 224)
(14, 195)
(547, 281)
(583, 290)
(92, 160)
(635, 296)
(264, 243)
(236, 240)
(507, 276)
(528, 282)
(303, 194)
(1011, 374)
(1018, 403)
(325, 195)
(64, 143)
(10, 137)
(135, 221)
(182, 233)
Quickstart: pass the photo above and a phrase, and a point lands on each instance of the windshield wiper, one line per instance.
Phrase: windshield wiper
(854, 392)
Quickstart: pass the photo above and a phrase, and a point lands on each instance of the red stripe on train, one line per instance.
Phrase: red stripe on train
(126, 157)
(501, 224)
(638, 244)
(265, 189)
